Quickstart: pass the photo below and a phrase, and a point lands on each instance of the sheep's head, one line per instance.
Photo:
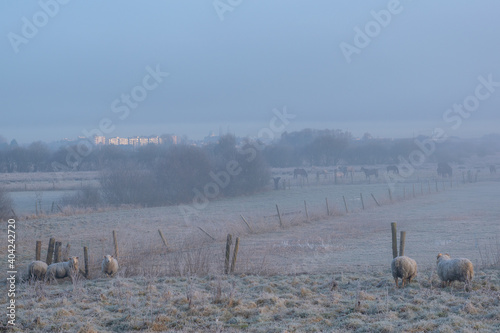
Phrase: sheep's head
(444, 256)
(108, 258)
(73, 263)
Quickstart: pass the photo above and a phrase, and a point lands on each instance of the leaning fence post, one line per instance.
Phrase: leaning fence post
(375, 199)
(228, 252)
(57, 252)
(394, 240)
(345, 205)
(402, 243)
(362, 202)
(38, 252)
(279, 216)
(327, 207)
(235, 254)
(115, 242)
(50, 251)
(163, 238)
(305, 208)
(248, 225)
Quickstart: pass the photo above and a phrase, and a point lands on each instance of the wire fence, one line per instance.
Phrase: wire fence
(345, 231)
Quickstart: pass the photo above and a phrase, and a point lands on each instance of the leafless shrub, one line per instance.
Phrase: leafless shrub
(129, 184)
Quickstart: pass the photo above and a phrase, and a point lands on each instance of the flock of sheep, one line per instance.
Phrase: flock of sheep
(448, 270)
(39, 270)
(403, 267)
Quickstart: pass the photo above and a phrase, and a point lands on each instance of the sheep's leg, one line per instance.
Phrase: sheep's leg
(396, 280)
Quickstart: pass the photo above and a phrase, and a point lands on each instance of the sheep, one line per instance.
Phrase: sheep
(36, 270)
(109, 265)
(405, 268)
(63, 269)
(459, 269)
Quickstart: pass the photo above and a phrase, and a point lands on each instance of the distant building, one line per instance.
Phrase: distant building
(114, 141)
(123, 141)
(134, 141)
(99, 140)
(155, 140)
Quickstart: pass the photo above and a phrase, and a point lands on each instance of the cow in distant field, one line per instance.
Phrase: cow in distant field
(370, 172)
(392, 168)
(299, 172)
(493, 169)
(444, 169)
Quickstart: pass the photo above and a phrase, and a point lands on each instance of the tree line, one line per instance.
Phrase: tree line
(306, 147)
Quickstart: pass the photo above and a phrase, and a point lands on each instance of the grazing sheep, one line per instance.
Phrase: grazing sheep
(109, 265)
(63, 269)
(405, 268)
(37, 270)
(459, 269)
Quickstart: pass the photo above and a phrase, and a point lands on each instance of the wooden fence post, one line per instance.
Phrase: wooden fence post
(163, 238)
(394, 240)
(437, 190)
(50, 251)
(206, 233)
(390, 194)
(228, 252)
(362, 202)
(345, 204)
(327, 208)
(307, 214)
(375, 199)
(235, 253)
(115, 242)
(38, 252)
(248, 225)
(279, 216)
(86, 261)
(57, 252)
(65, 256)
(402, 239)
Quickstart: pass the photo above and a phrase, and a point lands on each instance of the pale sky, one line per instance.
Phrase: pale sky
(70, 67)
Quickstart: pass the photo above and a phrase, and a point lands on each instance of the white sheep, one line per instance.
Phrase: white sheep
(37, 270)
(61, 270)
(459, 269)
(109, 265)
(405, 268)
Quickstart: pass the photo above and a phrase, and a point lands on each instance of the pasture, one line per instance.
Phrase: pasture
(324, 273)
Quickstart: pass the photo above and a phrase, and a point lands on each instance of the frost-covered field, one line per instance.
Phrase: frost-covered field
(284, 275)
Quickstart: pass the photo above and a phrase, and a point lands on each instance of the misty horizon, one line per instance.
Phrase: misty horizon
(191, 69)
(197, 132)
